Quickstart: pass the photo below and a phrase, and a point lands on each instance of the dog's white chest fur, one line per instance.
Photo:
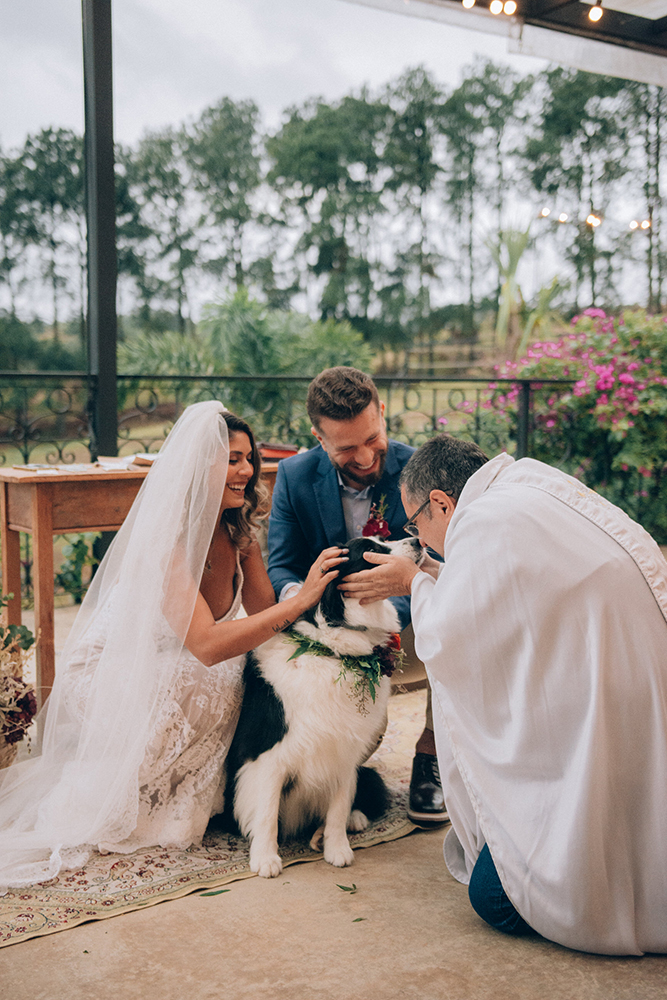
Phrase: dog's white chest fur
(310, 772)
(329, 727)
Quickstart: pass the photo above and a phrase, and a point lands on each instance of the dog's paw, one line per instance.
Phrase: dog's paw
(339, 856)
(268, 866)
(357, 821)
(317, 839)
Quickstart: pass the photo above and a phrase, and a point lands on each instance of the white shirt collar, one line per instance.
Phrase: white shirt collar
(357, 494)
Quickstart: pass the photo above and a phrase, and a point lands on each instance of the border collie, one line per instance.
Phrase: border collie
(295, 760)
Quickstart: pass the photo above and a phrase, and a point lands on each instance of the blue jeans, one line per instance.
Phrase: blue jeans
(490, 901)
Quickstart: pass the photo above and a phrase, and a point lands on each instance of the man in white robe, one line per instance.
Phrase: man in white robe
(545, 639)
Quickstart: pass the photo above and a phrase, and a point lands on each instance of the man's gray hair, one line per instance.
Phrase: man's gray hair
(444, 463)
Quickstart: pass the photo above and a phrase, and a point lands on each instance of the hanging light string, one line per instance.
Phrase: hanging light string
(595, 13)
(509, 7)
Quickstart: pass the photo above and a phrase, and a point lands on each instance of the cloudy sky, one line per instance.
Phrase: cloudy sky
(174, 57)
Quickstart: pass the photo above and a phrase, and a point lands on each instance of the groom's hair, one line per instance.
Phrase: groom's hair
(444, 463)
(340, 393)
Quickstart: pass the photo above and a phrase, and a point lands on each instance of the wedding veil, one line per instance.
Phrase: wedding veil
(80, 786)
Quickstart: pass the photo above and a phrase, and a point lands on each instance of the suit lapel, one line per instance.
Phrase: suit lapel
(388, 486)
(327, 495)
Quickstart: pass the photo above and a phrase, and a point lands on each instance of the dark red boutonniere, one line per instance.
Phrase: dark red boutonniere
(376, 523)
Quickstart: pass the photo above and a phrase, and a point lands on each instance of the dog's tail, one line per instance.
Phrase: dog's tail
(372, 797)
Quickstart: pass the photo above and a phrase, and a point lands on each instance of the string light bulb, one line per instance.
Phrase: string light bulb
(593, 220)
(468, 4)
(595, 13)
(634, 224)
(646, 224)
(562, 217)
(496, 6)
(509, 7)
(545, 212)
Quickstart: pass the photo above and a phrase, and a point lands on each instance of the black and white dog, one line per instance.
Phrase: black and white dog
(295, 758)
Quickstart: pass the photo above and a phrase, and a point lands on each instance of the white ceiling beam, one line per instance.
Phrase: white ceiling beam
(529, 40)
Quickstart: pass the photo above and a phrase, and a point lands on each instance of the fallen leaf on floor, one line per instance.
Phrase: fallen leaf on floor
(216, 893)
(348, 888)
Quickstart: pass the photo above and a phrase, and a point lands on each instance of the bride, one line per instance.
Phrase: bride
(148, 690)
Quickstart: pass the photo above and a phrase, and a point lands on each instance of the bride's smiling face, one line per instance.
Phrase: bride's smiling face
(239, 472)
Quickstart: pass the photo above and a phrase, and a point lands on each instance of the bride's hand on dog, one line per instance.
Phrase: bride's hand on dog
(391, 577)
(322, 572)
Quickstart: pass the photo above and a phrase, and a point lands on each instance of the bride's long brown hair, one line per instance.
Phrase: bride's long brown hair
(243, 521)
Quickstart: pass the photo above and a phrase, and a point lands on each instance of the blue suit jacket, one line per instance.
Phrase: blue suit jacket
(307, 513)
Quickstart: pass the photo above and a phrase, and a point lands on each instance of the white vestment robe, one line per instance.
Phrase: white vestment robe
(545, 641)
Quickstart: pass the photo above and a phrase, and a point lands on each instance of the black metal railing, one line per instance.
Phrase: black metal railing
(44, 416)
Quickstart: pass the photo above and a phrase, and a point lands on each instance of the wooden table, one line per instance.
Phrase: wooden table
(57, 503)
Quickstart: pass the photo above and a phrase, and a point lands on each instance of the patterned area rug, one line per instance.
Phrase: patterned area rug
(113, 884)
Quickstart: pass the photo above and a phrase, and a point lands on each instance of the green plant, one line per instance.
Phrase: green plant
(507, 254)
(78, 554)
(247, 338)
(14, 637)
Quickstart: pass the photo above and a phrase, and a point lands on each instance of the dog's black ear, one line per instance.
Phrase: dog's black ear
(332, 605)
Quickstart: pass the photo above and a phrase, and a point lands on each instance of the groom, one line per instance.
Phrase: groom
(328, 495)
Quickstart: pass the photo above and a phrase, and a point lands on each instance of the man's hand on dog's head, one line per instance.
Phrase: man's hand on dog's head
(391, 576)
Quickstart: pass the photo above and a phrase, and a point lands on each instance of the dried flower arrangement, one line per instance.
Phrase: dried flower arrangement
(18, 703)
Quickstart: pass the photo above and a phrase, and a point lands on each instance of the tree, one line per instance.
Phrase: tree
(132, 243)
(579, 153)
(463, 129)
(325, 166)
(17, 228)
(51, 175)
(224, 154)
(645, 114)
(159, 182)
(410, 155)
(494, 95)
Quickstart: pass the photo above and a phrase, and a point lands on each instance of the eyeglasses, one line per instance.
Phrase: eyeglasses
(410, 528)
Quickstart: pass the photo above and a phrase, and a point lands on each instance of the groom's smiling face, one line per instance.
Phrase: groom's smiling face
(357, 447)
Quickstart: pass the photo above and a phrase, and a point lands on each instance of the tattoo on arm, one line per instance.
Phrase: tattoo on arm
(280, 628)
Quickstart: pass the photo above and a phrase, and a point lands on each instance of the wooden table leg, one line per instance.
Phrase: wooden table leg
(11, 563)
(42, 536)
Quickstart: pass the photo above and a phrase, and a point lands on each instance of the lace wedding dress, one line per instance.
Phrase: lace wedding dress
(181, 778)
(133, 737)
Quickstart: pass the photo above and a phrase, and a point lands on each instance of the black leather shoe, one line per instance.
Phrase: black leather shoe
(427, 803)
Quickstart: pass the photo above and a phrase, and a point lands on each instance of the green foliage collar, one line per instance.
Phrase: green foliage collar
(367, 670)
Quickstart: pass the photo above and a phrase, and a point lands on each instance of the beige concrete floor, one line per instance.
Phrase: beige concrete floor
(299, 937)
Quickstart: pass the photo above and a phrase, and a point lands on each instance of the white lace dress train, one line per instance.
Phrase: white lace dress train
(181, 779)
